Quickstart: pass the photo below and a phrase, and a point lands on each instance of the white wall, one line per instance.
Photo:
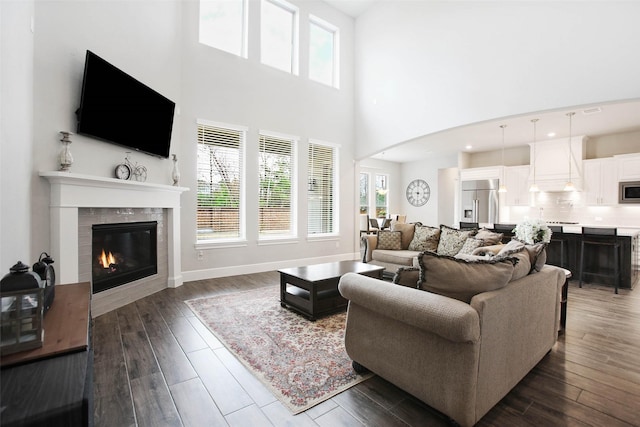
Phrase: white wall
(156, 42)
(16, 133)
(441, 193)
(423, 67)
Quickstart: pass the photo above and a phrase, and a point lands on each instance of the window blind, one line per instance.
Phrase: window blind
(321, 186)
(219, 173)
(276, 166)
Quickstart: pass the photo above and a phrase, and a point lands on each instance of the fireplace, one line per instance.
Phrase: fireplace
(122, 253)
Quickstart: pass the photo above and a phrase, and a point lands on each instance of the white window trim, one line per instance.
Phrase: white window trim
(293, 235)
(242, 238)
(336, 187)
(336, 48)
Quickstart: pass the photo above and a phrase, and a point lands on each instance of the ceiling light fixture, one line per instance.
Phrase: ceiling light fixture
(569, 185)
(534, 187)
(502, 188)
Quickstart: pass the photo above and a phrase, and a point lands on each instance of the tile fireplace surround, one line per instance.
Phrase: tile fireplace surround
(72, 194)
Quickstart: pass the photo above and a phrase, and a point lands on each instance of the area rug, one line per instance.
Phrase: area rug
(302, 362)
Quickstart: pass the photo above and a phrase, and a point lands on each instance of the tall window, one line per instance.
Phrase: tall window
(364, 193)
(276, 169)
(382, 201)
(279, 35)
(323, 52)
(322, 214)
(220, 182)
(223, 25)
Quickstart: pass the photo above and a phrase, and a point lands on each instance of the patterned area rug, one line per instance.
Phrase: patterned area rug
(302, 362)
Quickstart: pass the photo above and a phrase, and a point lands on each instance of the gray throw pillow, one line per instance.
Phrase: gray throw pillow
(462, 279)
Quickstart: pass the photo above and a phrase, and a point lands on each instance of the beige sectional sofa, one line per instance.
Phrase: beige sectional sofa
(400, 246)
(445, 339)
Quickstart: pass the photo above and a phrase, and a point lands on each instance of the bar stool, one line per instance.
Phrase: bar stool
(555, 230)
(604, 238)
(506, 230)
(468, 225)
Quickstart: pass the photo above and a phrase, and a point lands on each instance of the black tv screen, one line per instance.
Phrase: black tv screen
(117, 108)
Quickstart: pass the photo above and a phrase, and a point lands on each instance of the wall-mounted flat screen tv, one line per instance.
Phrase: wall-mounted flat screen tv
(117, 108)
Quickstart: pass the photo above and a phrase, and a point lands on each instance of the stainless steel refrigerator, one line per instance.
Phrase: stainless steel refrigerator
(479, 201)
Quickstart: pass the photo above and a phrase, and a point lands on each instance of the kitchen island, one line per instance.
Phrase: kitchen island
(599, 261)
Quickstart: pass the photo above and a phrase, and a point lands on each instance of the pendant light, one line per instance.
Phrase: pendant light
(534, 187)
(569, 185)
(502, 188)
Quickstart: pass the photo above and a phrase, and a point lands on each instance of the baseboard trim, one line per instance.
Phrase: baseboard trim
(211, 273)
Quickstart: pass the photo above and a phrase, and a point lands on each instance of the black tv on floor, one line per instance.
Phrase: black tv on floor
(117, 108)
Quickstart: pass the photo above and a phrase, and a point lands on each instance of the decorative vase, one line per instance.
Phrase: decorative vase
(175, 174)
(66, 159)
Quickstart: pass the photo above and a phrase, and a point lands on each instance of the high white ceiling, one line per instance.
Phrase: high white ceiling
(590, 120)
(593, 120)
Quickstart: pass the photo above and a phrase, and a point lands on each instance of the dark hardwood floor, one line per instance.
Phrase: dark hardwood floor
(157, 365)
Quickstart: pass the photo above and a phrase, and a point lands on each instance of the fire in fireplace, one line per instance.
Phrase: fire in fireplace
(122, 253)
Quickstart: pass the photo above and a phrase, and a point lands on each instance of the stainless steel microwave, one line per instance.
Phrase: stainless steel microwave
(629, 192)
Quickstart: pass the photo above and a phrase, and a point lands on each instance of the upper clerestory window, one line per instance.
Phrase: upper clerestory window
(223, 25)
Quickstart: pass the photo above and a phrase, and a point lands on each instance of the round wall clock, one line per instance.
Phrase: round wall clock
(418, 192)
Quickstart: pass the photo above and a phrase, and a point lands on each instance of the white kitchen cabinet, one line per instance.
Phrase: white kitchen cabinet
(628, 167)
(516, 179)
(600, 182)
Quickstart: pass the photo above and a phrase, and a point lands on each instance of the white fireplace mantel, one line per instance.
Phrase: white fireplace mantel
(70, 192)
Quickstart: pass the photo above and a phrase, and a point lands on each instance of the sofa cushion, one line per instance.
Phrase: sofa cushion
(399, 257)
(389, 240)
(462, 279)
(489, 237)
(537, 253)
(406, 233)
(452, 240)
(425, 238)
(522, 267)
(470, 245)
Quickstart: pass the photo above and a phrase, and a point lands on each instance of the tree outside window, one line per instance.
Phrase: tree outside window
(382, 201)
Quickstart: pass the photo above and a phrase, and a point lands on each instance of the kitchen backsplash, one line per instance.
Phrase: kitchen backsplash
(570, 207)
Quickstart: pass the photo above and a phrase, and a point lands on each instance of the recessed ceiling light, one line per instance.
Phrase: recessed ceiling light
(551, 134)
(468, 147)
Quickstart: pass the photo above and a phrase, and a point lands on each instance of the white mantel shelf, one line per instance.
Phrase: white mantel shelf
(71, 191)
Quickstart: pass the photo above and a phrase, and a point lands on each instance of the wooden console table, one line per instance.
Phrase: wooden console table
(53, 384)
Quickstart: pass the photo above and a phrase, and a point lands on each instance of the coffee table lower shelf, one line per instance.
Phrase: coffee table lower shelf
(313, 290)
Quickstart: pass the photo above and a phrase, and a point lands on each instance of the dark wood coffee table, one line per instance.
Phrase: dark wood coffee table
(313, 290)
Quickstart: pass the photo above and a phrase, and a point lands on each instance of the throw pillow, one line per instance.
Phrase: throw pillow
(512, 247)
(389, 240)
(538, 254)
(425, 238)
(470, 245)
(406, 230)
(462, 279)
(489, 237)
(523, 266)
(452, 240)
